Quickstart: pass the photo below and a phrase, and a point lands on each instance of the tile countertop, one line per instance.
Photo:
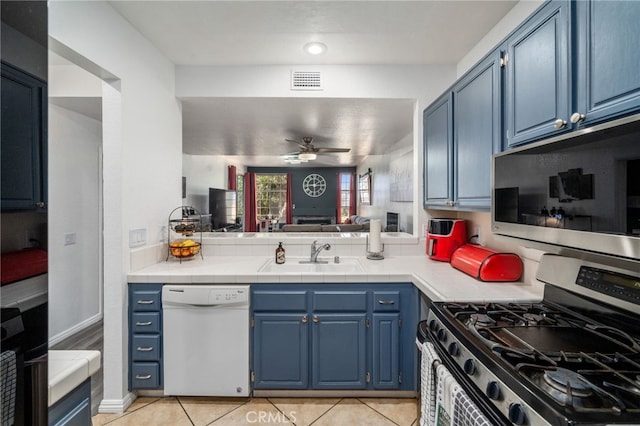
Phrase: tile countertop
(437, 280)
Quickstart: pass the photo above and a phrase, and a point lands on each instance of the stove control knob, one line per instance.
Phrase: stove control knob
(442, 335)
(516, 414)
(433, 325)
(493, 390)
(469, 367)
(453, 349)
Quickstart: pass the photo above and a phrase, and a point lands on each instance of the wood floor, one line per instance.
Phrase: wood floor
(91, 338)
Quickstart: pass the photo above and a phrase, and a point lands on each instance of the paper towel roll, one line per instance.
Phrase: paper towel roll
(375, 240)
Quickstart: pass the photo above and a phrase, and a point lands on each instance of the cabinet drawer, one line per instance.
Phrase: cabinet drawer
(386, 301)
(146, 300)
(282, 301)
(145, 348)
(145, 375)
(145, 322)
(337, 301)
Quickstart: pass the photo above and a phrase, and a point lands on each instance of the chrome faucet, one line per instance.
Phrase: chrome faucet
(315, 251)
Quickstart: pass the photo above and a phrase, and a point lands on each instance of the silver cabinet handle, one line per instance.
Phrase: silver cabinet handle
(40, 204)
(145, 302)
(315, 318)
(144, 324)
(387, 302)
(304, 319)
(140, 349)
(577, 117)
(560, 123)
(147, 377)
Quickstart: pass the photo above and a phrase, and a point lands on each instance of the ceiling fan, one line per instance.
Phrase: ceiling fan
(308, 151)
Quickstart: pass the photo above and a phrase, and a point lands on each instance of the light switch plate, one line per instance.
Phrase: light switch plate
(137, 237)
(70, 238)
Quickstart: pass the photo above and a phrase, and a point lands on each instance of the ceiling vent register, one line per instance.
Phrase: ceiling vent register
(306, 80)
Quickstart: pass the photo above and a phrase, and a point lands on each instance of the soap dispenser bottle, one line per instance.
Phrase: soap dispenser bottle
(280, 254)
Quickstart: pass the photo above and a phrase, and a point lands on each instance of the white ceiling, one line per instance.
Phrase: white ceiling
(273, 32)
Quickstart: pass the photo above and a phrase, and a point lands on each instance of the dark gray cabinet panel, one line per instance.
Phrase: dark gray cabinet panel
(24, 126)
(145, 336)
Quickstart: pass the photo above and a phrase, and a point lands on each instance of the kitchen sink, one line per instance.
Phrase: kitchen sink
(302, 265)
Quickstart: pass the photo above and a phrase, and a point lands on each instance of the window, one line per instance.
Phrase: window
(240, 195)
(346, 197)
(365, 188)
(271, 192)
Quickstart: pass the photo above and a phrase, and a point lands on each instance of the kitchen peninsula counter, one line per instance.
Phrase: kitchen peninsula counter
(437, 280)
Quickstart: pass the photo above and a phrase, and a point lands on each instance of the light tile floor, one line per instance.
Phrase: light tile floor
(201, 411)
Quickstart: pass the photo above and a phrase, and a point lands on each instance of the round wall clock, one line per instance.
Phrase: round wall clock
(314, 185)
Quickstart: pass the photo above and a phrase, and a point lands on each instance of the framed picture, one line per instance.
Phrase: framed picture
(364, 188)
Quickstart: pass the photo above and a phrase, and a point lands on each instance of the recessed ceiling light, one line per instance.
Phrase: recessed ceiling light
(315, 48)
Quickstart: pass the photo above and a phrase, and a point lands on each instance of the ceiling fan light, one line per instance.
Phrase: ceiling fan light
(315, 48)
(307, 156)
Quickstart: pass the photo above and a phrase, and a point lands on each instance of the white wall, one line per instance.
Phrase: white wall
(203, 172)
(142, 156)
(381, 167)
(75, 293)
(511, 20)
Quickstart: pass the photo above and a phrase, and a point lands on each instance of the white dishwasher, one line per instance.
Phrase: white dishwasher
(206, 340)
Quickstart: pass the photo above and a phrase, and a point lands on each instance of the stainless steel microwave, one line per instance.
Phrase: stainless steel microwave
(580, 190)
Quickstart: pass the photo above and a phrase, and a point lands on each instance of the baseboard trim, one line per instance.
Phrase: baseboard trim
(75, 329)
(117, 406)
(278, 393)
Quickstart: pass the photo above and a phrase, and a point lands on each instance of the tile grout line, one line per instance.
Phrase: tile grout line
(185, 411)
(280, 411)
(230, 411)
(323, 414)
(370, 407)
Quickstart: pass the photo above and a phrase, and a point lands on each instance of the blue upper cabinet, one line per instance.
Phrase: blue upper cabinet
(476, 132)
(24, 140)
(608, 60)
(438, 149)
(461, 132)
(538, 89)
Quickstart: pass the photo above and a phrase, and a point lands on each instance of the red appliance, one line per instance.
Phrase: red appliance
(485, 264)
(444, 236)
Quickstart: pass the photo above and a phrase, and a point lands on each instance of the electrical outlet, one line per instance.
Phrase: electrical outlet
(70, 238)
(137, 237)
(476, 232)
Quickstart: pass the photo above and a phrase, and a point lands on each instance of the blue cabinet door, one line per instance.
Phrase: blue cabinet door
(538, 89)
(24, 140)
(338, 353)
(438, 148)
(608, 60)
(477, 130)
(281, 351)
(386, 351)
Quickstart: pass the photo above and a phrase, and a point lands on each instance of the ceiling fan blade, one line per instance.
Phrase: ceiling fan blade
(329, 150)
(300, 144)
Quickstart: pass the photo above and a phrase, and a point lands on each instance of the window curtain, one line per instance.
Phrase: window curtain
(352, 202)
(250, 203)
(232, 178)
(289, 206)
(352, 197)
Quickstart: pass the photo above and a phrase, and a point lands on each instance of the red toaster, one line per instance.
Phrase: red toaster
(487, 265)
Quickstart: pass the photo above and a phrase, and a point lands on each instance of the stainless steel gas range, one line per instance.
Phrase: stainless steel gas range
(571, 359)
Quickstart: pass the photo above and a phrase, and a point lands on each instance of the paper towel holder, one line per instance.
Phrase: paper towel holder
(375, 255)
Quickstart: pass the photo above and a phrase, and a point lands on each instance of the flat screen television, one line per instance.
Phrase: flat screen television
(393, 224)
(222, 207)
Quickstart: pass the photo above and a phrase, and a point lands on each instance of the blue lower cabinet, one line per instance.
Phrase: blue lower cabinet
(145, 336)
(74, 409)
(341, 336)
(339, 355)
(386, 351)
(280, 351)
